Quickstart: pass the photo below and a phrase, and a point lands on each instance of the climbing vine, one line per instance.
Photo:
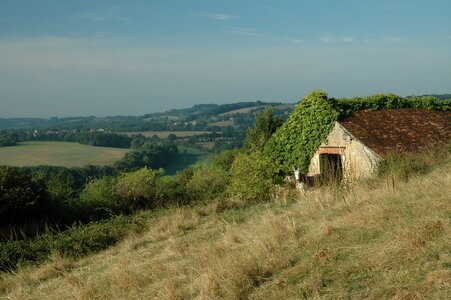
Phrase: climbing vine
(294, 144)
(296, 141)
(346, 106)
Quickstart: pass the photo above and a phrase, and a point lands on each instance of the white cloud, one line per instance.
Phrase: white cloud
(73, 76)
(348, 39)
(103, 16)
(326, 39)
(270, 8)
(244, 31)
(114, 13)
(216, 16)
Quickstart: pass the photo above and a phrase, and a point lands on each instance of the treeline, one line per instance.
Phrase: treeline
(8, 138)
(172, 120)
(93, 138)
(147, 154)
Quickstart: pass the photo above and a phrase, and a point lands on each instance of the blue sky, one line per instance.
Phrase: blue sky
(98, 57)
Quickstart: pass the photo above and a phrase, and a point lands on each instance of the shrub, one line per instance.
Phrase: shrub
(137, 189)
(207, 183)
(224, 160)
(77, 241)
(170, 191)
(253, 176)
(98, 199)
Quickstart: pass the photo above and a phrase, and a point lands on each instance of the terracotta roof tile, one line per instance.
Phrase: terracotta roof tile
(399, 130)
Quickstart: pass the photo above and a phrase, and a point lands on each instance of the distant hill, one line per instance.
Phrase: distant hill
(199, 117)
(196, 117)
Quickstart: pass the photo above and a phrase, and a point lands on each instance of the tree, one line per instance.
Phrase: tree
(20, 197)
(8, 139)
(264, 126)
(150, 155)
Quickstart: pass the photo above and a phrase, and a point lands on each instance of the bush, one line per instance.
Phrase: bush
(253, 177)
(224, 160)
(76, 242)
(170, 191)
(207, 183)
(137, 189)
(98, 199)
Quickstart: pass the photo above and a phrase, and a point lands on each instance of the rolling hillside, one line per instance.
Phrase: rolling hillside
(378, 239)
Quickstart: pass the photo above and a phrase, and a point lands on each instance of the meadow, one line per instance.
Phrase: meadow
(65, 154)
(376, 239)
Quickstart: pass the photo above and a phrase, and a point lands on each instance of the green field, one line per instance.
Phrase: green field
(58, 154)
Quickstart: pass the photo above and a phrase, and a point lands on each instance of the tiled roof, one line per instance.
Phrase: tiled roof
(399, 130)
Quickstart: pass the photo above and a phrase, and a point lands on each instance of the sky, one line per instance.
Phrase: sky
(98, 57)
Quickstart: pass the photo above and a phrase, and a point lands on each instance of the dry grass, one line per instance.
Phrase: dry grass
(369, 241)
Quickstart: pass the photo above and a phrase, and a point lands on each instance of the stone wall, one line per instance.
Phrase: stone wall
(358, 160)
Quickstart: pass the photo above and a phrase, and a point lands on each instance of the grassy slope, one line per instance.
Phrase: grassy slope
(58, 154)
(374, 241)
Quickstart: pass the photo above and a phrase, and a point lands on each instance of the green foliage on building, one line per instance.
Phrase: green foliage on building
(300, 136)
(294, 144)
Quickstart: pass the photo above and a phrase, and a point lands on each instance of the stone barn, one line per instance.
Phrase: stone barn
(357, 144)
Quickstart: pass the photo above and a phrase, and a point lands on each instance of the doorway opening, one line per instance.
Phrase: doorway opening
(331, 168)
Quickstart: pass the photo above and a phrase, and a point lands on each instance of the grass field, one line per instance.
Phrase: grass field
(223, 123)
(381, 239)
(165, 134)
(58, 154)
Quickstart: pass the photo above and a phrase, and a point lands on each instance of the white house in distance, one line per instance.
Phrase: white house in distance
(357, 144)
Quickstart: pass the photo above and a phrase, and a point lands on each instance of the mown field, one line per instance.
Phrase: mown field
(240, 111)
(58, 154)
(223, 123)
(165, 134)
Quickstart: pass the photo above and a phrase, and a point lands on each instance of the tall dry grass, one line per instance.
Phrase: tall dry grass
(370, 240)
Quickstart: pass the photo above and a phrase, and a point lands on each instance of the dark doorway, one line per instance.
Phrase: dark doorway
(331, 168)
